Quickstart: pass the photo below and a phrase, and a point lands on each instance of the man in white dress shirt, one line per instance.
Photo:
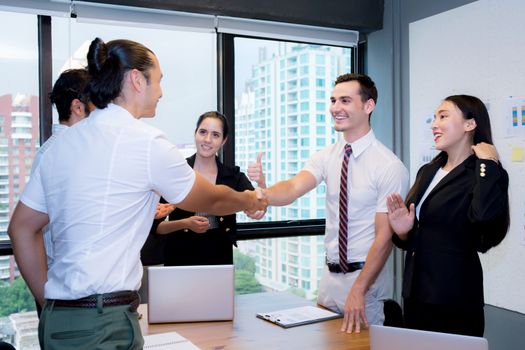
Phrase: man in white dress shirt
(98, 187)
(359, 285)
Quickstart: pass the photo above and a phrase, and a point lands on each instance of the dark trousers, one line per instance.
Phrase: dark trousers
(444, 318)
(101, 328)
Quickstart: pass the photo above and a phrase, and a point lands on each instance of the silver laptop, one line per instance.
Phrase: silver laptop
(392, 338)
(190, 293)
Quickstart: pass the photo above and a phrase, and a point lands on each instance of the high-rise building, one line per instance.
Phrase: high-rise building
(19, 140)
(283, 112)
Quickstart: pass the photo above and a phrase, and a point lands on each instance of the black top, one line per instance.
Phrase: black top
(442, 265)
(185, 247)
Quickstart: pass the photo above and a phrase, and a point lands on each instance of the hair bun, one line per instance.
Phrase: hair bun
(96, 56)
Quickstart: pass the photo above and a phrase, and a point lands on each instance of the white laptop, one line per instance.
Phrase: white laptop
(392, 338)
(190, 293)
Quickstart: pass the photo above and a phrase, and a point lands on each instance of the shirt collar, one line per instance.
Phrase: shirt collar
(58, 128)
(360, 145)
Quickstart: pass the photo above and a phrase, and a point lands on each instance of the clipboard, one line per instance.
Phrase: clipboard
(298, 316)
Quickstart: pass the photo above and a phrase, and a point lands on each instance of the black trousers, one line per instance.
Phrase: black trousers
(444, 318)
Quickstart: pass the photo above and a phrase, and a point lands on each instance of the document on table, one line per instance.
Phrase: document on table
(168, 341)
(298, 316)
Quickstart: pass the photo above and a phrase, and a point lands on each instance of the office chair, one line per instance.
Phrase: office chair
(6, 346)
(393, 314)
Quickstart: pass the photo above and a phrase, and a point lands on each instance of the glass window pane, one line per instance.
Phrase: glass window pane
(19, 108)
(301, 79)
(19, 140)
(18, 318)
(187, 60)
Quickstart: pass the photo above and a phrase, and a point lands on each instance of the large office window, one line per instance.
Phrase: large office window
(282, 90)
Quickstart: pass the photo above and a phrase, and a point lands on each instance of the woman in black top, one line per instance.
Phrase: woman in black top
(457, 206)
(199, 238)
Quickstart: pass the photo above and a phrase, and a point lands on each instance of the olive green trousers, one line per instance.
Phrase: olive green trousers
(101, 328)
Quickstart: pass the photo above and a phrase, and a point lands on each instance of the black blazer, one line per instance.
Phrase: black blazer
(442, 265)
(185, 247)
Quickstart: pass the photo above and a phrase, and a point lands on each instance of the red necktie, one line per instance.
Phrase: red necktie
(343, 211)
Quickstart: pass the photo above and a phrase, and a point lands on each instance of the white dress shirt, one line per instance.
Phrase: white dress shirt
(374, 172)
(56, 130)
(100, 183)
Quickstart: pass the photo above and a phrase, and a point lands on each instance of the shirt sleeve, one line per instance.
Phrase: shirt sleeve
(33, 195)
(316, 166)
(170, 174)
(394, 178)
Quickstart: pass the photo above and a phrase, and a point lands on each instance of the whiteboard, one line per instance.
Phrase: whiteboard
(478, 49)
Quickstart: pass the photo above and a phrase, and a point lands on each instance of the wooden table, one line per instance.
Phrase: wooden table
(249, 332)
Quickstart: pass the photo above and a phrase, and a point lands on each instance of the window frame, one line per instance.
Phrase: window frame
(44, 88)
(226, 101)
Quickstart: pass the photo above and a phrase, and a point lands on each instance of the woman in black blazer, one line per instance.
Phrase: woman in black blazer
(457, 206)
(198, 238)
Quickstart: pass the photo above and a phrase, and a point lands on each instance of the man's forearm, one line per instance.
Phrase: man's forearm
(280, 194)
(227, 201)
(31, 259)
(27, 240)
(285, 192)
(219, 199)
(375, 261)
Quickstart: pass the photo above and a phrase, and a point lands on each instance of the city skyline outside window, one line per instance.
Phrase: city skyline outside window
(281, 108)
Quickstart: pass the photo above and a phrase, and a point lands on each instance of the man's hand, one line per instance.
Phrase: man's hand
(258, 214)
(261, 193)
(163, 210)
(258, 202)
(354, 311)
(198, 224)
(255, 172)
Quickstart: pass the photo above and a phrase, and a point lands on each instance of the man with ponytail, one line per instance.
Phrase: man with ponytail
(98, 188)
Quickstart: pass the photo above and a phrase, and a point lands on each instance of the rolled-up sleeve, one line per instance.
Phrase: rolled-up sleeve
(170, 174)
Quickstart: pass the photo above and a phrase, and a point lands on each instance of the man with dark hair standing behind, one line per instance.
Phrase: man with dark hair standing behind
(98, 187)
(359, 173)
(70, 99)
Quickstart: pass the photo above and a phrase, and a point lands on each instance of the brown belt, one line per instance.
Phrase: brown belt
(130, 298)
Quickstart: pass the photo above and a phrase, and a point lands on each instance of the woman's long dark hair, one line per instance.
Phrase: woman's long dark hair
(107, 64)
